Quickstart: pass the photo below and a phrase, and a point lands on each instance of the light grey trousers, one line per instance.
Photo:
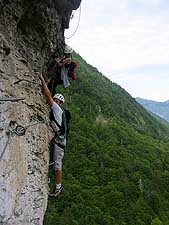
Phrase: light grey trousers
(58, 155)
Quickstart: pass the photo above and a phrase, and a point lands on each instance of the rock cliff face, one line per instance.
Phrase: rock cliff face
(30, 32)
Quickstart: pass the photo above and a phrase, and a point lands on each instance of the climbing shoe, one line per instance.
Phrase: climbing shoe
(56, 192)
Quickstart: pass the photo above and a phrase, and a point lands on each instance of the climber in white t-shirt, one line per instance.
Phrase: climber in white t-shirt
(59, 139)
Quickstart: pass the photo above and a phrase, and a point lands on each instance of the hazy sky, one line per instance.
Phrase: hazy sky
(128, 41)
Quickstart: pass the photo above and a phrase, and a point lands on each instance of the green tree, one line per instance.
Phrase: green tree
(156, 221)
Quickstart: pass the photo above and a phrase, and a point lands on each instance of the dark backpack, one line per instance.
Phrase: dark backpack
(67, 115)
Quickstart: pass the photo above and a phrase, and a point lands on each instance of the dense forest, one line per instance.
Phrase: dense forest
(116, 165)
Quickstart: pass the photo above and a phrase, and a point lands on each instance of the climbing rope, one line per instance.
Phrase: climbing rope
(77, 24)
(19, 130)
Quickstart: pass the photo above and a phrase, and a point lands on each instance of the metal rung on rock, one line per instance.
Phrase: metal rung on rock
(13, 99)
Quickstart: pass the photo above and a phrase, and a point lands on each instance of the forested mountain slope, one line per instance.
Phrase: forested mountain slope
(116, 166)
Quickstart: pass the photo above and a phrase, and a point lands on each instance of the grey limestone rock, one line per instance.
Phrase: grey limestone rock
(30, 33)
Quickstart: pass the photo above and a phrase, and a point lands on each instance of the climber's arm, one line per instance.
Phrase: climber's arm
(64, 61)
(58, 63)
(46, 91)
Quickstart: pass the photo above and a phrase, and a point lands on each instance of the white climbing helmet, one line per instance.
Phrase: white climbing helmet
(68, 50)
(60, 97)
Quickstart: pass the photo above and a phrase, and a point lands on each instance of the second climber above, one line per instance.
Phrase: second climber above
(60, 70)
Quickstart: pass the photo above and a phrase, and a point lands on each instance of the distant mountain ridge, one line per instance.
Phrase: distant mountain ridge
(159, 108)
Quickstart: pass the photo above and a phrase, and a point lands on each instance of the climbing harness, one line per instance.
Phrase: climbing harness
(12, 99)
(72, 16)
(15, 128)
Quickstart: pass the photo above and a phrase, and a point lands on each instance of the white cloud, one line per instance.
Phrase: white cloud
(119, 35)
(130, 40)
